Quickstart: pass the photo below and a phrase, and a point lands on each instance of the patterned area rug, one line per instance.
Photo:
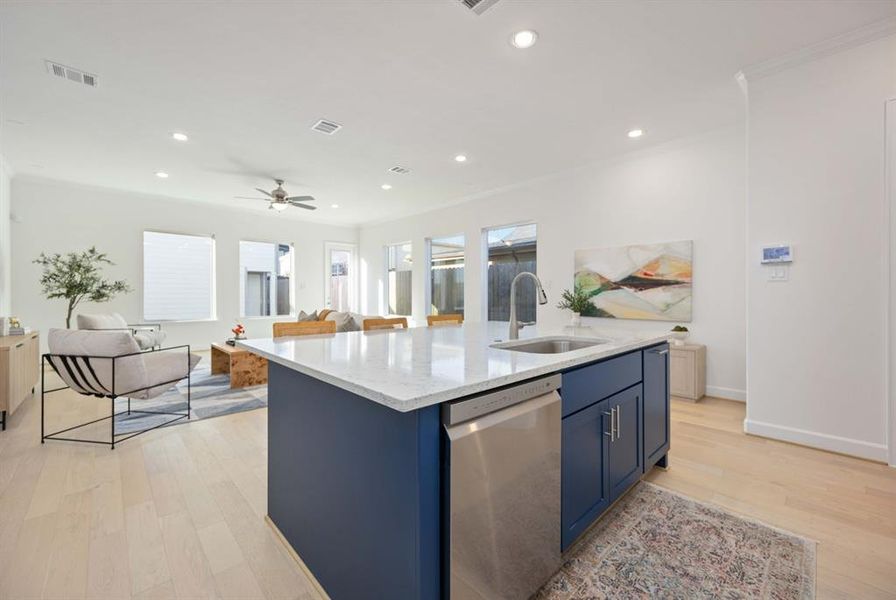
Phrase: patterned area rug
(657, 544)
(210, 396)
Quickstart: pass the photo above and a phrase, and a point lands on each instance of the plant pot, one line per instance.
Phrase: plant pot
(678, 337)
(576, 320)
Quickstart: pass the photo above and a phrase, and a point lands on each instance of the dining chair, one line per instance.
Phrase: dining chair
(374, 324)
(289, 328)
(447, 319)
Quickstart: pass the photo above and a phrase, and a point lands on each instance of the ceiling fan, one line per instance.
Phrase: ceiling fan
(279, 200)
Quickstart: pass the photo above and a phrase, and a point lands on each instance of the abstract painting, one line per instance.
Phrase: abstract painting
(647, 281)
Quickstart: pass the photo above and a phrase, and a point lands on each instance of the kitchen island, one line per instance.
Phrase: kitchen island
(358, 474)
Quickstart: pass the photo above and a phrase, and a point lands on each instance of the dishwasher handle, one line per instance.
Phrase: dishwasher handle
(468, 409)
(473, 426)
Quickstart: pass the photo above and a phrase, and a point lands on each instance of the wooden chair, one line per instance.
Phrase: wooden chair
(373, 324)
(450, 319)
(303, 328)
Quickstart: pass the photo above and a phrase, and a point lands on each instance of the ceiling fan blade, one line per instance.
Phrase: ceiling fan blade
(268, 194)
(301, 198)
(305, 206)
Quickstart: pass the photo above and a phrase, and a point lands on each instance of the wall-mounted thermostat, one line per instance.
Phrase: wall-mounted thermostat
(777, 254)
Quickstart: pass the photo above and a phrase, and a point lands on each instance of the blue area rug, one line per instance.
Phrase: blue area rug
(210, 396)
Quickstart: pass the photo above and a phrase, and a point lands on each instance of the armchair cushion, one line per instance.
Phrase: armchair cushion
(84, 360)
(107, 321)
(148, 336)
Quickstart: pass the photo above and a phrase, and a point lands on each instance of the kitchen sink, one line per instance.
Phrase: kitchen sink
(550, 345)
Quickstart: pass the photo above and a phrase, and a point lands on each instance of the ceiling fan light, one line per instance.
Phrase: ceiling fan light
(279, 206)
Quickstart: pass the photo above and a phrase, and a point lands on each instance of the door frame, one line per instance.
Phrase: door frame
(890, 258)
(353, 273)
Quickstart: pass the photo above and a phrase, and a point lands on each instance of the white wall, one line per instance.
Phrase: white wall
(690, 189)
(817, 343)
(62, 217)
(5, 242)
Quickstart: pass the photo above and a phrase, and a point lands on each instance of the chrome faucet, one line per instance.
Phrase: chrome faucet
(542, 299)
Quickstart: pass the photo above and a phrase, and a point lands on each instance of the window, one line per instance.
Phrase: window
(265, 279)
(446, 280)
(511, 250)
(178, 277)
(398, 261)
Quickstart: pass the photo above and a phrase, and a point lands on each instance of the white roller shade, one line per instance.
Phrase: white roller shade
(178, 277)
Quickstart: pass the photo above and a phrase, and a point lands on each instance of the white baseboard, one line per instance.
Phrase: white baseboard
(823, 441)
(726, 393)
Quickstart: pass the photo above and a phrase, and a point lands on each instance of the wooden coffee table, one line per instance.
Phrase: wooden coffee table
(246, 369)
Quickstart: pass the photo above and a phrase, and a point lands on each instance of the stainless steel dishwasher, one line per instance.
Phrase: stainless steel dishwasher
(504, 472)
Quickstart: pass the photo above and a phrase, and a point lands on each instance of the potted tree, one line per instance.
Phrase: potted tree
(77, 276)
(578, 301)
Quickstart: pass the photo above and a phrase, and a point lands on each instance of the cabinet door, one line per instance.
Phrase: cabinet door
(18, 357)
(656, 404)
(33, 346)
(584, 478)
(626, 459)
(683, 373)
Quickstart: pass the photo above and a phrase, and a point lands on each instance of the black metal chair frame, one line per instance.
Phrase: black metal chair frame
(112, 397)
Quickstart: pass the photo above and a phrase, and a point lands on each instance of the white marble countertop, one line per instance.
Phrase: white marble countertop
(421, 366)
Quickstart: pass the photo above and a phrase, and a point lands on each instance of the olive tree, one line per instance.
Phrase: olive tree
(77, 276)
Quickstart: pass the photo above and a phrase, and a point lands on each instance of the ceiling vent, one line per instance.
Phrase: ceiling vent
(399, 170)
(71, 74)
(327, 127)
(478, 6)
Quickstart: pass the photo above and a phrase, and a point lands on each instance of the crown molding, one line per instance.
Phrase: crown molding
(844, 41)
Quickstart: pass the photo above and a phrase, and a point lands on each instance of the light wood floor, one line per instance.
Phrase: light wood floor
(846, 504)
(178, 513)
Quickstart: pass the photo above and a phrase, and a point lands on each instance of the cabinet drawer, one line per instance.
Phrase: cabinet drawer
(586, 385)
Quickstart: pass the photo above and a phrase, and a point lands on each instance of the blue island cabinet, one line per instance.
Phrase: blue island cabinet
(615, 428)
(354, 488)
(656, 406)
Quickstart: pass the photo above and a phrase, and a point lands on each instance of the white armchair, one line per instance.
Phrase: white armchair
(148, 335)
(111, 364)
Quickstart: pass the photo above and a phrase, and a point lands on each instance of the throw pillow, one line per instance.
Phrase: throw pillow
(303, 316)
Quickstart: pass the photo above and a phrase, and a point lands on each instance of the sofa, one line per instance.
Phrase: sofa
(345, 321)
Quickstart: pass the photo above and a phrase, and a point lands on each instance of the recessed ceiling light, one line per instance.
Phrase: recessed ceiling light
(461, 158)
(386, 186)
(524, 39)
(635, 133)
(161, 174)
(334, 206)
(180, 137)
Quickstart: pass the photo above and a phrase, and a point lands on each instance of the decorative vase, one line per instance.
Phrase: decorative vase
(576, 320)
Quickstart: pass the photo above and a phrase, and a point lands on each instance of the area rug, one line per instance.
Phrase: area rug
(657, 544)
(210, 396)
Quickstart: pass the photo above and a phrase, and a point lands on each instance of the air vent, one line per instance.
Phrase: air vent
(478, 6)
(71, 74)
(327, 127)
(399, 170)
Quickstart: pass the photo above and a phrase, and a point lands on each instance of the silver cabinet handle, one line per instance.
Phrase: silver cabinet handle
(665, 351)
(612, 432)
(618, 413)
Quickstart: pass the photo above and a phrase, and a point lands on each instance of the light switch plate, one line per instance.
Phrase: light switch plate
(778, 272)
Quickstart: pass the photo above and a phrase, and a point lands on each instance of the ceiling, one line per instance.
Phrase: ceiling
(413, 83)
